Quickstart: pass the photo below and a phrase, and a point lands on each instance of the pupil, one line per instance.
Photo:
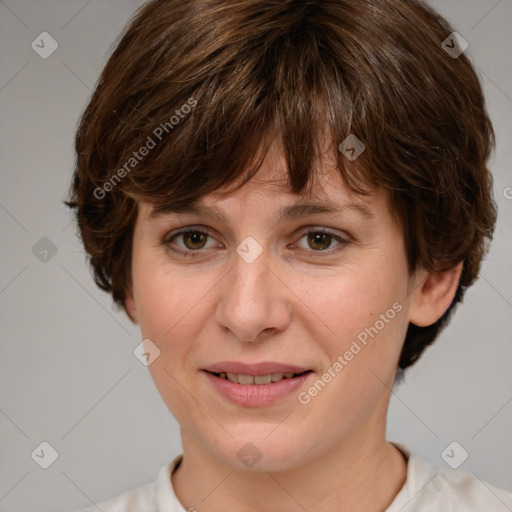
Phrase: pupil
(195, 238)
(323, 239)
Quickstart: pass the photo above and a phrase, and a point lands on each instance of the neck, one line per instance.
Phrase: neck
(363, 474)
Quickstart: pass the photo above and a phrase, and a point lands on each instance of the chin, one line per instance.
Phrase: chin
(261, 454)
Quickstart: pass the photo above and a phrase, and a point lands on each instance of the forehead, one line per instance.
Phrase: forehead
(269, 192)
(271, 181)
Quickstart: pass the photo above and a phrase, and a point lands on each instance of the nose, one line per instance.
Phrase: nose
(255, 304)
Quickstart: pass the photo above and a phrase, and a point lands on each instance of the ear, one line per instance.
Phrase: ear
(433, 295)
(130, 307)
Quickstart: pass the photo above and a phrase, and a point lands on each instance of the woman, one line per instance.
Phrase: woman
(289, 198)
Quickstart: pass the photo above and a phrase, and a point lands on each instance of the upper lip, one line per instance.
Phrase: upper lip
(255, 369)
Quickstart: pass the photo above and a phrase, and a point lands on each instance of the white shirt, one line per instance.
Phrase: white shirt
(426, 489)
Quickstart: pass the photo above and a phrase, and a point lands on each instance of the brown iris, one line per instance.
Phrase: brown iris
(196, 238)
(319, 241)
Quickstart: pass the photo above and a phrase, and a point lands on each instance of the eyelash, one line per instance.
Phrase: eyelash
(199, 252)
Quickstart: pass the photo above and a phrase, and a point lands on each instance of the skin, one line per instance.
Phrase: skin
(300, 303)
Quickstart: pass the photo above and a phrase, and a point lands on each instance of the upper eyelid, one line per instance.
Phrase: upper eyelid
(208, 231)
(302, 232)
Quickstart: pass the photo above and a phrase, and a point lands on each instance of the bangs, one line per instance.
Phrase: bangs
(283, 87)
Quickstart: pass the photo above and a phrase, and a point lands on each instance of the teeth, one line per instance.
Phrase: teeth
(245, 379)
(258, 379)
(262, 379)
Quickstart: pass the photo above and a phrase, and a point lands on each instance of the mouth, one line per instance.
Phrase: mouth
(257, 380)
(253, 385)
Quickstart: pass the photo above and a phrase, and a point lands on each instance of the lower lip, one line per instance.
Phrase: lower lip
(254, 395)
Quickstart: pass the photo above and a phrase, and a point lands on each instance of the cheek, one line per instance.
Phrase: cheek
(153, 301)
(164, 296)
(357, 301)
(172, 307)
(363, 320)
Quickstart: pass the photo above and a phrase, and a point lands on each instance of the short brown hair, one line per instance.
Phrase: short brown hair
(258, 70)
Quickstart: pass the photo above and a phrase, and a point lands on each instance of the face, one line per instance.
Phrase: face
(318, 297)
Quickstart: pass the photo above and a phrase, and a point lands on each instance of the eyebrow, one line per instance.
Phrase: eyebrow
(290, 212)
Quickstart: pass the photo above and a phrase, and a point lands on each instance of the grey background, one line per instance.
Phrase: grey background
(68, 375)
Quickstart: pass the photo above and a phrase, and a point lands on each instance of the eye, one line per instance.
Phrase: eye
(320, 240)
(193, 240)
